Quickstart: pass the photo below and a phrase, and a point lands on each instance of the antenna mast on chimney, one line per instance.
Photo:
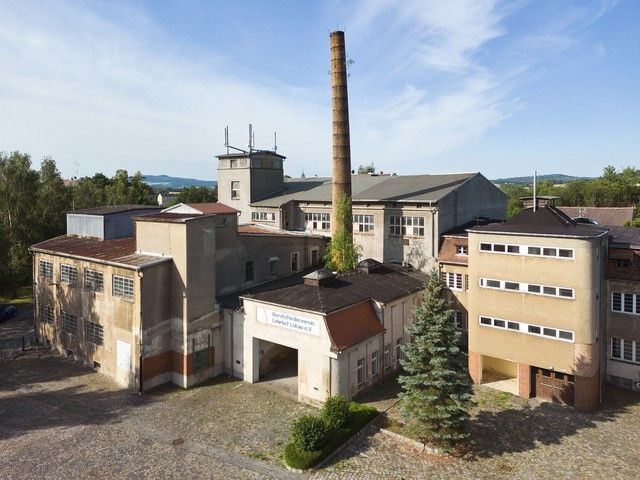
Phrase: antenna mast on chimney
(535, 190)
(275, 141)
(226, 138)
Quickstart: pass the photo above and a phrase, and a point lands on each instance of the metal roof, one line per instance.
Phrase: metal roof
(113, 209)
(371, 188)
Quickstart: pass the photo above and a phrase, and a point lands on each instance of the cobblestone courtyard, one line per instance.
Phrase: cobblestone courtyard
(59, 419)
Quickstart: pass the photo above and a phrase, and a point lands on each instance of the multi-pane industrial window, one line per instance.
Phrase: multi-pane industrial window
(46, 314)
(93, 280)
(248, 272)
(69, 323)
(409, 226)
(363, 223)
(294, 262)
(387, 355)
(68, 274)
(318, 221)
(273, 267)
(462, 250)
(528, 250)
(45, 269)
(453, 280)
(93, 332)
(555, 333)
(625, 302)
(360, 371)
(235, 190)
(122, 287)
(374, 363)
(527, 288)
(263, 216)
(460, 319)
(626, 350)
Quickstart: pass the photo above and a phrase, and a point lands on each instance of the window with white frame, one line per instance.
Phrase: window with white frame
(527, 250)
(122, 287)
(374, 363)
(295, 265)
(453, 280)
(462, 250)
(527, 328)
(273, 267)
(406, 226)
(68, 274)
(547, 290)
(318, 221)
(46, 314)
(235, 190)
(45, 269)
(93, 280)
(386, 356)
(93, 332)
(263, 216)
(625, 302)
(363, 223)
(360, 371)
(460, 319)
(69, 323)
(626, 350)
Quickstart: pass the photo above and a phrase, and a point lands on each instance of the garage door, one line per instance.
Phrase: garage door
(555, 386)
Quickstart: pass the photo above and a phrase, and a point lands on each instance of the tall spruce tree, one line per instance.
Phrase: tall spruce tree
(436, 391)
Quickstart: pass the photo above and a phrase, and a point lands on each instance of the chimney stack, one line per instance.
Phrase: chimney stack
(341, 180)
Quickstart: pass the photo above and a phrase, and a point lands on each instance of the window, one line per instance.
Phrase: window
(462, 250)
(201, 360)
(93, 280)
(69, 323)
(513, 325)
(527, 250)
(46, 314)
(520, 327)
(460, 320)
(273, 267)
(386, 356)
(363, 223)
(45, 269)
(513, 248)
(499, 323)
(452, 280)
(534, 329)
(499, 248)
(398, 349)
(318, 221)
(625, 302)
(626, 350)
(93, 332)
(294, 262)
(564, 335)
(534, 250)
(360, 371)
(374, 363)
(122, 287)
(248, 272)
(485, 320)
(68, 274)
(314, 256)
(263, 216)
(527, 288)
(549, 252)
(565, 253)
(622, 262)
(235, 190)
(549, 332)
(409, 226)
(485, 247)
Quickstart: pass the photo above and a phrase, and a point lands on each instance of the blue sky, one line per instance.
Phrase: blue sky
(498, 87)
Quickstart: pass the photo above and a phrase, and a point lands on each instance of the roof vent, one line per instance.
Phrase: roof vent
(319, 278)
(368, 265)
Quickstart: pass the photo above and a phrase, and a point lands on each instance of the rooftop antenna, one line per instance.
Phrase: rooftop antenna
(275, 141)
(252, 138)
(226, 138)
(535, 190)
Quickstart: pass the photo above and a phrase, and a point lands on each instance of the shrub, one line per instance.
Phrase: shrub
(309, 433)
(335, 412)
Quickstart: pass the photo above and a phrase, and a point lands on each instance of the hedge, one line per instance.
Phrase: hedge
(359, 416)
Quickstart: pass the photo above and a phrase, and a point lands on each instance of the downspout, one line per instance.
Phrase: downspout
(140, 345)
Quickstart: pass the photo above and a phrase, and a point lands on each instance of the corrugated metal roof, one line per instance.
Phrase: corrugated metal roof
(168, 217)
(213, 208)
(112, 209)
(603, 215)
(371, 188)
(121, 251)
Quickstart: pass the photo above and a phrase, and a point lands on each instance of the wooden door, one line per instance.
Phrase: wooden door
(555, 386)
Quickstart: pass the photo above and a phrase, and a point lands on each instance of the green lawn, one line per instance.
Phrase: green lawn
(25, 296)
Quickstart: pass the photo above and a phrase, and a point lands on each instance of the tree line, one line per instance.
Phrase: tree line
(34, 203)
(612, 189)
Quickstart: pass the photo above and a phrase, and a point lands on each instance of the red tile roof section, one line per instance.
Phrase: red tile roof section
(213, 208)
(117, 250)
(447, 253)
(603, 215)
(352, 325)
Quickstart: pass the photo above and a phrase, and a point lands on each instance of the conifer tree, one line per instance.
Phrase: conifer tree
(436, 390)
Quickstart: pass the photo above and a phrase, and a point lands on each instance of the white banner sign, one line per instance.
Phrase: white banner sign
(286, 320)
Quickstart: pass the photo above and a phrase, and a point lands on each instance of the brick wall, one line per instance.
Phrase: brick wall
(587, 392)
(524, 380)
(475, 367)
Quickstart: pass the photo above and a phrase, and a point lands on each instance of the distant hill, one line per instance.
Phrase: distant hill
(553, 177)
(176, 183)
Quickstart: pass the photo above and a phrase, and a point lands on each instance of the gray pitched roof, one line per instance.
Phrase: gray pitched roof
(371, 188)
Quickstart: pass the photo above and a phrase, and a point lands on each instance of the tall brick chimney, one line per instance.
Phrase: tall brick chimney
(341, 180)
